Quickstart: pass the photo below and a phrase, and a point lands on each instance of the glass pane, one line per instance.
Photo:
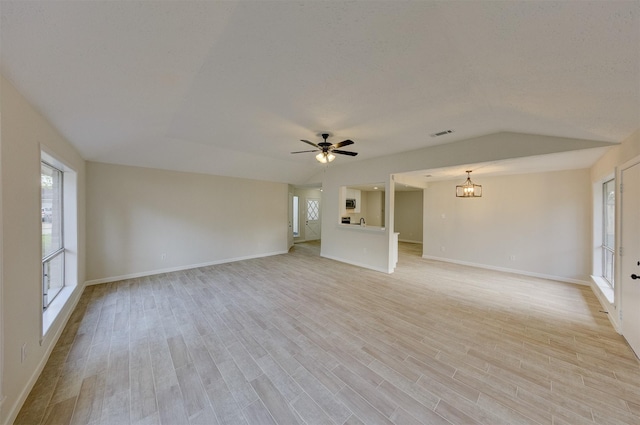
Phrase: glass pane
(313, 209)
(51, 209)
(609, 213)
(53, 277)
(608, 266)
(296, 220)
(608, 230)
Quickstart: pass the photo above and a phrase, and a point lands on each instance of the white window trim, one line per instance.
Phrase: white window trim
(602, 237)
(70, 241)
(61, 251)
(602, 287)
(55, 307)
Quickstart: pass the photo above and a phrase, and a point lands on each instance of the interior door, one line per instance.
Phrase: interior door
(312, 219)
(630, 259)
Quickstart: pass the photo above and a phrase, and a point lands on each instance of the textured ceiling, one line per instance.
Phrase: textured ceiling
(229, 88)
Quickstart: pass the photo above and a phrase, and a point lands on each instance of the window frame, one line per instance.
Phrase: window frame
(608, 252)
(47, 259)
(60, 306)
(295, 200)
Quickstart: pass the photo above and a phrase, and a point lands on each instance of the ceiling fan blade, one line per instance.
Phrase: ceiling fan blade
(314, 150)
(344, 152)
(309, 143)
(343, 143)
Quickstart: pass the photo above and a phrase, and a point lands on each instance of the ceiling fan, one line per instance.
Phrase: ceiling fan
(327, 150)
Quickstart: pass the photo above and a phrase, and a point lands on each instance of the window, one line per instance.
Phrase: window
(59, 225)
(52, 232)
(296, 219)
(608, 230)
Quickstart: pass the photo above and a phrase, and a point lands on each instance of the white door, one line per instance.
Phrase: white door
(312, 219)
(630, 259)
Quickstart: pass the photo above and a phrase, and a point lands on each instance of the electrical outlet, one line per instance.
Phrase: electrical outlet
(512, 257)
(163, 256)
(23, 353)
(443, 249)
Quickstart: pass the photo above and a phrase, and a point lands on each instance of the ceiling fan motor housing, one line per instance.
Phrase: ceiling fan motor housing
(325, 145)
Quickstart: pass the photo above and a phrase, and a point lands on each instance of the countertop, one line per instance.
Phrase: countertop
(356, 226)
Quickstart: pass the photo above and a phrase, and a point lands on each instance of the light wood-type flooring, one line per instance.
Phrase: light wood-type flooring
(297, 338)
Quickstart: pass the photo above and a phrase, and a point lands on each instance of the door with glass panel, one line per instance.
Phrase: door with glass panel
(312, 222)
(52, 236)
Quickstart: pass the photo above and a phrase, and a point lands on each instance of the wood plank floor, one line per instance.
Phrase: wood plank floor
(300, 339)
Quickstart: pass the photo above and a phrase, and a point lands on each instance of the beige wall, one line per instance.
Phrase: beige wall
(536, 224)
(24, 132)
(373, 203)
(408, 218)
(147, 220)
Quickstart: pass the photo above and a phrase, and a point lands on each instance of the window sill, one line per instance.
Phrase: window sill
(605, 288)
(53, 311)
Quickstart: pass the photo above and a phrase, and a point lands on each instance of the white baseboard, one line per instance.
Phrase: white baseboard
(70, 308)
(507, 270)
(179, 268)
(355, 263)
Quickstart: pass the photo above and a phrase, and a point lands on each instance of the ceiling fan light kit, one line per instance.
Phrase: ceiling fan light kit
(468, 189)
(325, 157)
(327, 150)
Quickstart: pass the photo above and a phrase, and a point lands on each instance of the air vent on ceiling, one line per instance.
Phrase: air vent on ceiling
(441, 133)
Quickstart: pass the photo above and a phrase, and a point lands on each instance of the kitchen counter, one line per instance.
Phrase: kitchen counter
(365, 228)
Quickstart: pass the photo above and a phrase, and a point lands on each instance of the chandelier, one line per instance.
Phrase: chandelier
(468, 189)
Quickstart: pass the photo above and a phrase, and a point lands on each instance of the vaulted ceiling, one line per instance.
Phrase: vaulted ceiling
(229, 88)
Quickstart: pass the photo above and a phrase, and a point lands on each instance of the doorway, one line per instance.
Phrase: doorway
(306, 203)
(630, 255)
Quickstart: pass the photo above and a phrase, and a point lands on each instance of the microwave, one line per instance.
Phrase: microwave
(351, 204)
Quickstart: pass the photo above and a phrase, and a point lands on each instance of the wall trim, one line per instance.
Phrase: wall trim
(179, 268)
(357, 264)
(507, 270)
(65, 315)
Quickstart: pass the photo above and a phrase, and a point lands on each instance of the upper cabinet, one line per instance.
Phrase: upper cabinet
(356, 195)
